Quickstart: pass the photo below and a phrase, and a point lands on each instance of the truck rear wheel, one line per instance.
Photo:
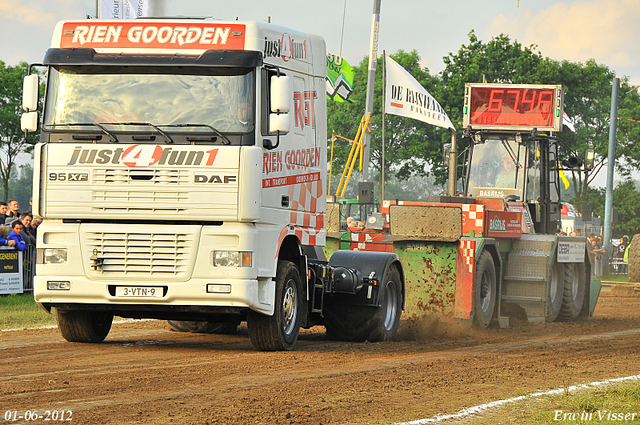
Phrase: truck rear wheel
(366, 323)
(280, 331)
(555, 292)
(220, 328)
(484, 291)
(574, 291)
(83, 326)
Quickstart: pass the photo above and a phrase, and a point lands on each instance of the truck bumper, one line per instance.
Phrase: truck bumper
(255, 294)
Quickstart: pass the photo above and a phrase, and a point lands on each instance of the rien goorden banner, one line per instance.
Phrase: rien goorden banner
(407, 98)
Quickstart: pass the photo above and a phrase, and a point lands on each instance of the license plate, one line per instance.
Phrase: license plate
(139, 291)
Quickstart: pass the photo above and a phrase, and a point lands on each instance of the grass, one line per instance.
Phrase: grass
(612, 405)
(21, 311)
(615, 277)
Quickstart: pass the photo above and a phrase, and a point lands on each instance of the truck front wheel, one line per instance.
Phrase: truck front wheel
(83, 326)
(280, 331)
(367, 323)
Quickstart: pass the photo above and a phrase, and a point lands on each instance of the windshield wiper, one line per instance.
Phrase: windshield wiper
(225, 139)
(165, 135)
(93, 124)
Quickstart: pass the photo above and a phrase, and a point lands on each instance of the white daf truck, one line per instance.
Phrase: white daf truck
(181, 175)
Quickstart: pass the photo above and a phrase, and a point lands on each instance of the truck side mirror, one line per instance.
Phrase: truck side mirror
(281, 96)
(589, 158)
(29, 121)
(279, 123)
(30, 89)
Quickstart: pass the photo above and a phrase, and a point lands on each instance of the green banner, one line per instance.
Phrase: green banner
(340, 79)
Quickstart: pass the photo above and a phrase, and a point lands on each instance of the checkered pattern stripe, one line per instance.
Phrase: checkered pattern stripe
(468, 249)
(362, 239)
(311, 236)
(308, 223)
(307, 219)
(473, 218)
(305, 235)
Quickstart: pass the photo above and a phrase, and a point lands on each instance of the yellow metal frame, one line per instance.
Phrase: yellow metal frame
(357, 150)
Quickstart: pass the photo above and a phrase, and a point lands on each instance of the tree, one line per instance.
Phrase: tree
(626, 198)
(12, 139)
(410, 146)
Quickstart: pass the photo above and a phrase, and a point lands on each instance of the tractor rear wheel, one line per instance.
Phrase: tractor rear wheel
(574, 284)
(555, 291)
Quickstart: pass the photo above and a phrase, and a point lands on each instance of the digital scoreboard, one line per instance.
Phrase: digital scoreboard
(513, 107)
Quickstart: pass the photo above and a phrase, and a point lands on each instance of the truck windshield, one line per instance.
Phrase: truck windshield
(497, 164)
(183, 99)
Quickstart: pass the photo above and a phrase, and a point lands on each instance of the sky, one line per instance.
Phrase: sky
(577, 30)
(604, 30)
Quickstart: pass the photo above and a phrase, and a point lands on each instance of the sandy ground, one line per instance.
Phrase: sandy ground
(145, 373)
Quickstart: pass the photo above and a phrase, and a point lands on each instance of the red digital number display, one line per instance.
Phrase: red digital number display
(512, 107)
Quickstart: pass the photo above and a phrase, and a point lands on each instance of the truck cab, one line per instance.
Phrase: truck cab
(180, 174)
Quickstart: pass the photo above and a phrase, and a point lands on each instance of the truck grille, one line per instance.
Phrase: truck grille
(145, 191)
(132, 176)
(140, 254)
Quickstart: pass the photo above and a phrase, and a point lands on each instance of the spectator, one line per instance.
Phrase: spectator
(13, 209)
(4, 234)
(16, 235)
(618, 255)
(30, 210)
(4, 209)
(34, 227)
(29, 237)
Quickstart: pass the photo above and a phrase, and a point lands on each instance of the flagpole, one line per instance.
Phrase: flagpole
(97, 8)
(371, 80)
(384, 102)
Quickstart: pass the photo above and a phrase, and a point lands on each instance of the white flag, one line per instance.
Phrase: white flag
(566, 121)
(124, 9)
(407, 98)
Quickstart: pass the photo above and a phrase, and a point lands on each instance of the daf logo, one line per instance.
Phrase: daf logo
(199, 178)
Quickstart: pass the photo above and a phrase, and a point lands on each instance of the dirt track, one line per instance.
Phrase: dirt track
(144, 373)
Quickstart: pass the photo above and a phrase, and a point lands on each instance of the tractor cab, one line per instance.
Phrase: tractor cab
(518, 168)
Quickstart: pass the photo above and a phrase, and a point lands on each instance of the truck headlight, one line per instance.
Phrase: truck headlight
(52, 256)
(231, 259)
